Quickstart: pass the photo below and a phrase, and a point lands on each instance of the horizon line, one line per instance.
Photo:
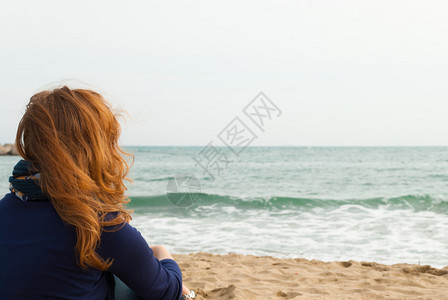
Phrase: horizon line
(292, 146)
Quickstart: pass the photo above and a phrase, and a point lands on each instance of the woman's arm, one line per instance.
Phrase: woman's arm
(160, 253)
(138, 266)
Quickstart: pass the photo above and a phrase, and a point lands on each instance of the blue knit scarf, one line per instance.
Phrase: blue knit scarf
(25, 183)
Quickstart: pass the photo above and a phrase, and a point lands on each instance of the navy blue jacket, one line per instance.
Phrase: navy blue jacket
(38, 258)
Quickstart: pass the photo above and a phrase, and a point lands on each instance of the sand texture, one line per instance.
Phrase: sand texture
(251, 277)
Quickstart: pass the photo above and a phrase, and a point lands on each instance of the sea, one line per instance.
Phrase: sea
(382, 204)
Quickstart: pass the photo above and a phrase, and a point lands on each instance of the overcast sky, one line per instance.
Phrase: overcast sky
(342, 72)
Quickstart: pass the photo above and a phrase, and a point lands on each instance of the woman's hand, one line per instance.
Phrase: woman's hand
(185, 290)
(160, 253)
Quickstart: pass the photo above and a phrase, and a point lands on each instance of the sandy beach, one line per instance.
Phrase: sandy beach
(235, 276)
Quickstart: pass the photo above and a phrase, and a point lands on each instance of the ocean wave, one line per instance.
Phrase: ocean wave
(160, 179)
(414, 202)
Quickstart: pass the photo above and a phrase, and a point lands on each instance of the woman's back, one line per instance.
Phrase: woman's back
(64, 228)
(37, 255)
(38, 258)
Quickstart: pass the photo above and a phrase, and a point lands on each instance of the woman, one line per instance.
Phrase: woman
(64, 227)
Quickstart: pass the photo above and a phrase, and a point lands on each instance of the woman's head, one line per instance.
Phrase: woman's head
(71, 137)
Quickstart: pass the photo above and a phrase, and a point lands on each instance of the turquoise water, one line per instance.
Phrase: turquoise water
(381, 204)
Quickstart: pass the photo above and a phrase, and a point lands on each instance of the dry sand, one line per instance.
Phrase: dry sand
(251, 277)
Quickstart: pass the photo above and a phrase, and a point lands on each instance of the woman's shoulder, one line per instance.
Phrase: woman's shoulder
(10, 203)
(120, 230)
(10, 199)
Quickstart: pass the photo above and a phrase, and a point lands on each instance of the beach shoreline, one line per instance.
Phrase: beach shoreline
(235, 276)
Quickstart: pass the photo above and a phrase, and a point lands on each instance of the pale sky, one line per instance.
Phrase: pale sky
(343, 73)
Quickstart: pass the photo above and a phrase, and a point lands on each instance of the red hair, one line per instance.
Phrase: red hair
(71, 137)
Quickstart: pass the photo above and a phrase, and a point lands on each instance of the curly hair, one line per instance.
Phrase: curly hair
(71, 137)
